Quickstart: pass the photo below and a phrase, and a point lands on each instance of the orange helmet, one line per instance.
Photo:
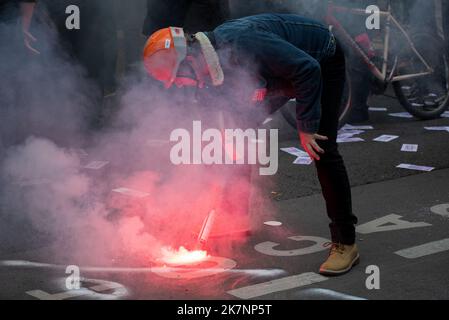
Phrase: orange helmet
(163, 54)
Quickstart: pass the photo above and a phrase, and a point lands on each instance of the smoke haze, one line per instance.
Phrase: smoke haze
(48, 192)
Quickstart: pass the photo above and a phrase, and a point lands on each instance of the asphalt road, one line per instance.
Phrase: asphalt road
(403, 235)
(369, 162)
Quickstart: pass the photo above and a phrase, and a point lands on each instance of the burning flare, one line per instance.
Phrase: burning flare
(182, 256)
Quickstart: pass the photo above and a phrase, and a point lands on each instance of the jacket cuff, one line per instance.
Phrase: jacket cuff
(311, 126)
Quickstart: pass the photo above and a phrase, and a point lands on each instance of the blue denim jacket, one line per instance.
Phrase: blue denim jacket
(283, 49)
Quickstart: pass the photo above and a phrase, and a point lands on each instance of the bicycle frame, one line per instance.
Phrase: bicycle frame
(381, 75)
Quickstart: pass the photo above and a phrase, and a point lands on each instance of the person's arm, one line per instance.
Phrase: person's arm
(27, 12)
(282, 60)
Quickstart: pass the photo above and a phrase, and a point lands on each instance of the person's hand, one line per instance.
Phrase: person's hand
(28, 39)
(310, 145)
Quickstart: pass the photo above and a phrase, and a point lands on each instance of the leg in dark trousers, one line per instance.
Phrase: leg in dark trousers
(331, 168)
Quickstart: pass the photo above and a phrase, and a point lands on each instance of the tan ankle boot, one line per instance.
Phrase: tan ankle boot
(341, 259)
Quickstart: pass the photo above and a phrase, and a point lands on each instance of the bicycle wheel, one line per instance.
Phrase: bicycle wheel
(425, 97)
(346, 103)
(288, 111)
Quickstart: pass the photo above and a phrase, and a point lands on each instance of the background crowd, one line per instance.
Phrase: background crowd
(112, 33)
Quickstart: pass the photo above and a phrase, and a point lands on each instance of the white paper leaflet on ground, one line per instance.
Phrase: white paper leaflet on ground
(302, 157)
(346, 135)
(267, 120)
(401, 115)
(378, 109)
(386, 138)
(346, 140)
(96, 165)
(350, 132)
(303, 160)
(415, 167)
(131, 192)
(81, 153)
(409, 148)
(351, 127)
(33, 182)
(295, 152)
(273, 223)
(445, 114)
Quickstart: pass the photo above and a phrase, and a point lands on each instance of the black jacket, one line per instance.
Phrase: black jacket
(9, 9)
(193, 15)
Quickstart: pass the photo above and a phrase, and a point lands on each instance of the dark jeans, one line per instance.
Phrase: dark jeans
(331, 168)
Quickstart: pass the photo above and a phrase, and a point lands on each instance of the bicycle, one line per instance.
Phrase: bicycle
(419, 77)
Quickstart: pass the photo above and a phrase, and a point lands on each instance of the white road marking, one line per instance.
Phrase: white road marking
(377, 109)
(268, 247)
(159, 270)
(222, 265)
(441, 209)
(425, 249)
(277, 285)
(324, 294)
(436, 128)
(93, 292)
(42, 295)
(401, 115)
(415, 167)
(391, 222)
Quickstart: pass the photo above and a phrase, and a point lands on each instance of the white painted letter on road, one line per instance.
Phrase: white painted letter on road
(277, 285)
(391, 222)
(268, 247)
(441, 209)
(425, 249)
